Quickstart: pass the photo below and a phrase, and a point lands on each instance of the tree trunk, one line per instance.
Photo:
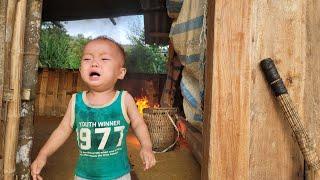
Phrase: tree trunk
(30, 69)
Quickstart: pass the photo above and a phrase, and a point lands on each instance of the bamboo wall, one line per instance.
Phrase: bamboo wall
(19, 50)
(56, 87)
(3, 12)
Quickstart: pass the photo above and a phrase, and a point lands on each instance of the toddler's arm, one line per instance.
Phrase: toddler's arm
(57, 138)
(140, 129)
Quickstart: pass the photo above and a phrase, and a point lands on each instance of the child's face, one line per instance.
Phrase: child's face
(101, 65)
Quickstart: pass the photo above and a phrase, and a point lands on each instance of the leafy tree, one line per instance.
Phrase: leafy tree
(58, 49)
(75, 51)
(144, 58)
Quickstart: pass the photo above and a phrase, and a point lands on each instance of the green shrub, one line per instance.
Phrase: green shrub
(58, 49)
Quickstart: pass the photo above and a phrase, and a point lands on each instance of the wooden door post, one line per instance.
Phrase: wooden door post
(246, 136)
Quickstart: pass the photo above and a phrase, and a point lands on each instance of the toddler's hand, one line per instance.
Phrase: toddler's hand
(36, 167)
(147, 157)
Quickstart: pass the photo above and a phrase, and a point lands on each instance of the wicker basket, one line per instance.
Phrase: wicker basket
(161, 129)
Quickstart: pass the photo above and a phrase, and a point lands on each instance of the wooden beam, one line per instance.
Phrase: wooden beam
(158, 34)
(8, 9)
(207, 132)
(3, 11)
(311, 99)
(229, 141)
(12, 127)
(10, 20)
(245, 135)
(195, 141)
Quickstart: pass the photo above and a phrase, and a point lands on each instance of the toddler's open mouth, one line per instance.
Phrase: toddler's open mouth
(94, 74)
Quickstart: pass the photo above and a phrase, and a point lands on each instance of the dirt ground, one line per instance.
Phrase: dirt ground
(173, 165)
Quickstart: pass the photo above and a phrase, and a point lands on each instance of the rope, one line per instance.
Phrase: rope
(203, 34)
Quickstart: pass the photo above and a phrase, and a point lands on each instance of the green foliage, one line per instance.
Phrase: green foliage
(75, 53)
(144, 58)
(58, 49)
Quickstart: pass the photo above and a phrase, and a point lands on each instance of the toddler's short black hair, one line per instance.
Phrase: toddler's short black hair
(106, 38)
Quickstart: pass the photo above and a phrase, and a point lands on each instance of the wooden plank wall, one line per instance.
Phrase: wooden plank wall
(229, 128)
(55, 88)
(246, 136)
(277, 31)
(311, 99)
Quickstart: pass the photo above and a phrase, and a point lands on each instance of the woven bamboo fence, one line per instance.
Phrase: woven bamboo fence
(56, 87)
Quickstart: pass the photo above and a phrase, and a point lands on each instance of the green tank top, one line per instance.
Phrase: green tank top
(101, 136)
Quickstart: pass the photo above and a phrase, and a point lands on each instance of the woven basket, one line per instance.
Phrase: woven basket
(161, 129)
